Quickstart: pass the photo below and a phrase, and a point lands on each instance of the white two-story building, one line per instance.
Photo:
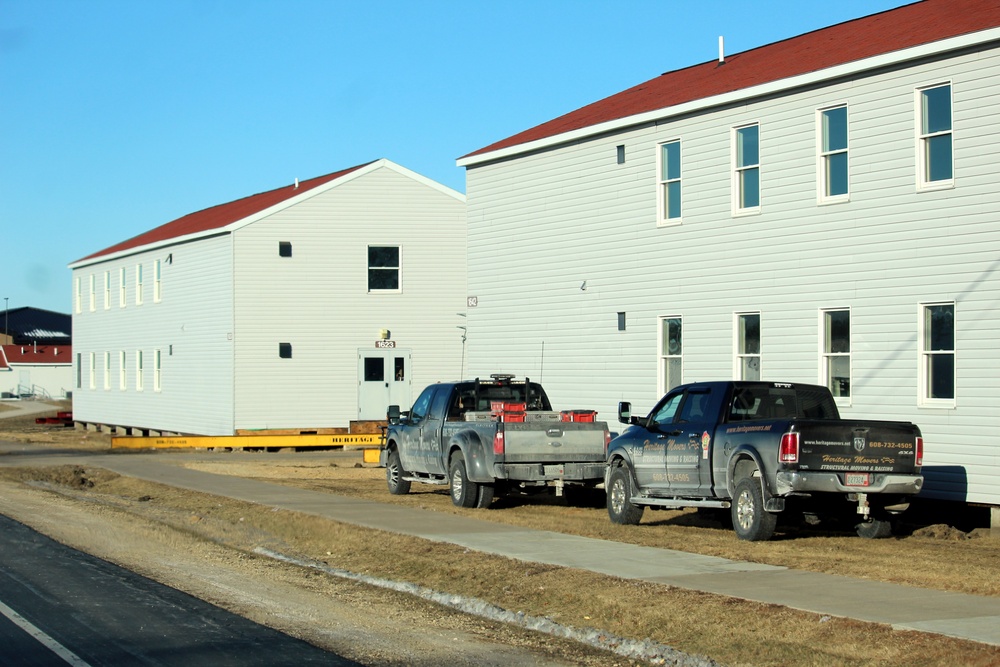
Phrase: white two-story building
(305, 307)
(822, 209)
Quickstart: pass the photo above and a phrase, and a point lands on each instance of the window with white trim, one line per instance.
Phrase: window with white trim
(671, 354)
(138, 284)
(935, 161)
(122, 374)
(138, 370)
(107, 290)
(107, 370)
(835, 354)
(384, 269)
(936, 337)
(746, 169)
(157, 368)
(93, 292)
(157, 275)
(670, 182)
(833, 173)
(92, 379)
(748, 346)
(121, 287)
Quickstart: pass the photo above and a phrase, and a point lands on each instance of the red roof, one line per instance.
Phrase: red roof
(220, 216)
(885, 32)
(35, 355)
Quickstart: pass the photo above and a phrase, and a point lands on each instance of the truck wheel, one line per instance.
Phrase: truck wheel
(463, 492)
(750, 520)
(620, 507)
(875, 529)
(394, 475)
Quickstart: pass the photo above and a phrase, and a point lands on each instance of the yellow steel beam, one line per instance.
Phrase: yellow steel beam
(246, 441)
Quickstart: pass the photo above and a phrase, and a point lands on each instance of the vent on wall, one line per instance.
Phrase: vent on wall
(284, 249)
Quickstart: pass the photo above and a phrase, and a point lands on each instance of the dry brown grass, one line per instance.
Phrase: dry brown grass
(939, 558)
(734, 632)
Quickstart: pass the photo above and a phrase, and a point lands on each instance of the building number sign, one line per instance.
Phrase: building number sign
(385, 343)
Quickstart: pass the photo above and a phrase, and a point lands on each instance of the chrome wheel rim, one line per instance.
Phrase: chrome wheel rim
(744, 510)
(456, 484)
(618, 496)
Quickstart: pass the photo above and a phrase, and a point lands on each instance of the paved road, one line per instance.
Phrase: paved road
(60, 606)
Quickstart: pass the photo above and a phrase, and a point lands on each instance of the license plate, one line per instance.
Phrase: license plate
(553, 471)
(856, 479)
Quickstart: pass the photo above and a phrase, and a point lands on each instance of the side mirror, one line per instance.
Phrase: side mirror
(625, 412)
(392, 414)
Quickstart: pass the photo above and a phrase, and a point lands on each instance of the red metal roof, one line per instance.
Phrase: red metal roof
(35, 355)
(885, 32)
(219, 216)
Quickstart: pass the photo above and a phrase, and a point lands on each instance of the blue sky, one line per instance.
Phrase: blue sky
(118, 116)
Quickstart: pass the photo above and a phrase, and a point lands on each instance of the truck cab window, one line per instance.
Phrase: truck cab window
(666, 411)
(422, 404)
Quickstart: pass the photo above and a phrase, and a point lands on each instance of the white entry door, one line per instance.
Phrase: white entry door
(383, 380)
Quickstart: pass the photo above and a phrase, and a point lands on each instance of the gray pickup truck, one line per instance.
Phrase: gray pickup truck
(756, 447)
(486, 438)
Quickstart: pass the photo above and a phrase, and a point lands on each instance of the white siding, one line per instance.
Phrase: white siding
(191, 325)
(318, 298)
(542, 224)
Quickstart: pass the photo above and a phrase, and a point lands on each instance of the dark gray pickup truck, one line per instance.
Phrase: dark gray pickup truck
(755, 447)
(489, 437)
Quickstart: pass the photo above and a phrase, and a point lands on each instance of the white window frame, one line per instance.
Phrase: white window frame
(122, 371)
(824, 156)
(138, 284)
(665, 356)
(138, 370)
(399, 268)
(157, 274)
(107, 290)
(738, 170)
(924, 356)
(92, 380)
(107, 371)
(122, 277)
(92, 283)
(157, 368)
(664, 183)
(738, 354)
(826, 354)
(923, 139)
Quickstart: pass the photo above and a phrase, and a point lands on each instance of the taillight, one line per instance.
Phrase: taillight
(789, 451)
(498, 441)
(607, 440)
(920, 452)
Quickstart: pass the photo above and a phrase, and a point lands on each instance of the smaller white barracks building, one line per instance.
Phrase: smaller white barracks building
(306, 307)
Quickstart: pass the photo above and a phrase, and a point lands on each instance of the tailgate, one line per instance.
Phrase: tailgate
(553, 442)
(857, 446)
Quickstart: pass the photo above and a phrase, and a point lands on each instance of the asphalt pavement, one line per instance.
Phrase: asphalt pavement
(972, 617)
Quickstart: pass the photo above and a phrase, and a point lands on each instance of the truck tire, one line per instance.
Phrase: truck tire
(463, 492)
(876, 529)
(394, 475)
(485, 496)
(620, 507)
(751, 521)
